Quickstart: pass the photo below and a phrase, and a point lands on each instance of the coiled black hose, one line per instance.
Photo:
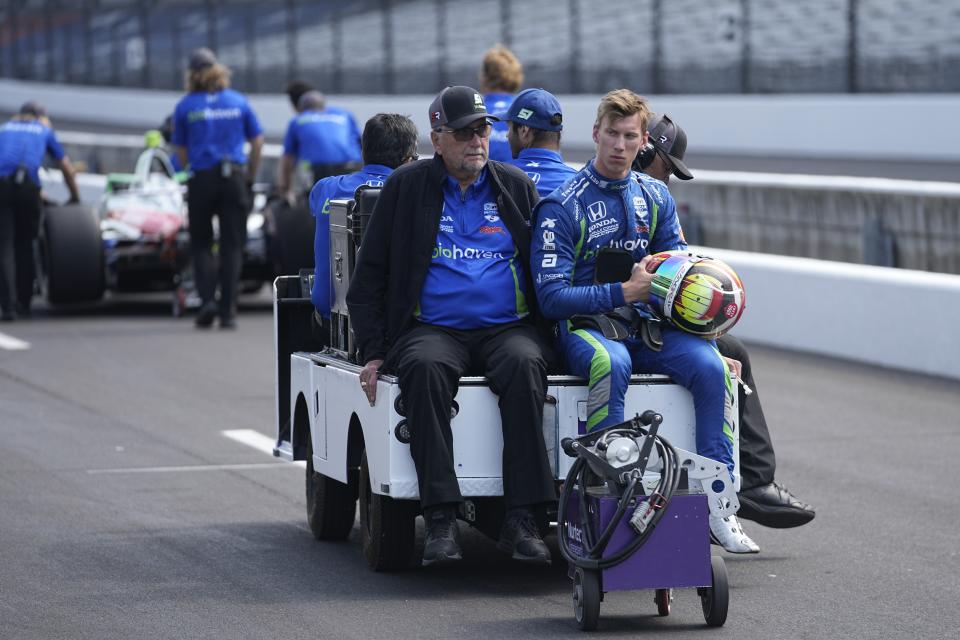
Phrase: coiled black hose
(576, 477)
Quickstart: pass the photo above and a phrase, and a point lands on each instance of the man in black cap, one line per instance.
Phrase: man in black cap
(762, 499)
(24, 142)
(441, 290)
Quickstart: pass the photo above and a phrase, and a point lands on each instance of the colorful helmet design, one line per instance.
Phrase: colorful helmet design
(700, 295)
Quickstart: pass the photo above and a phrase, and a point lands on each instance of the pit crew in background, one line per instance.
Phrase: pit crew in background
(389, 140)
(24, 142)
(442, 288)
(501, 76)
(762, 498)
(328, 138)
(535, 122)
(210, 125)
(606, 205)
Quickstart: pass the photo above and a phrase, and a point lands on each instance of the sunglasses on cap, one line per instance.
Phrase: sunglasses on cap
(466, 133)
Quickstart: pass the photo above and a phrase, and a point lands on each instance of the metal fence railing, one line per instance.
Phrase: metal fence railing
(568, 46)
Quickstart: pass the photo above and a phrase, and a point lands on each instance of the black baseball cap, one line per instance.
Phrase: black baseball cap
(201, 59)
(456, 107)
(670, 139)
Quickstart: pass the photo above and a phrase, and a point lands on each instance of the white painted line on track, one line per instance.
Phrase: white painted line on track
(199, 467)
(257, 440)
(12, 344)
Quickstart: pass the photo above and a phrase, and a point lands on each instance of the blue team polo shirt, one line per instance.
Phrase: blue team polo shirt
(476, 278)
(498, 104)
(213, 127)
(330, 136)
(327, 189)
(24, 143)
(545, 167)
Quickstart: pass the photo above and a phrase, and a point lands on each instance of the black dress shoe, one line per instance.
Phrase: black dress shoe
(520, 537)
(205, 316)
(442, 543)
(772, 505)
(228, 322)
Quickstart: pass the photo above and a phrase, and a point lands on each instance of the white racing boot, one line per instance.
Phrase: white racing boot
(729, 534)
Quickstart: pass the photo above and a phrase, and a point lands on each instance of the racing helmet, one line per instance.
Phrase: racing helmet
(697, 294)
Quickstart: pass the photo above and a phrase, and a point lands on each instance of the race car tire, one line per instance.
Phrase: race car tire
(387, 526)
(294, 228)
(331, 505)
(72, 255)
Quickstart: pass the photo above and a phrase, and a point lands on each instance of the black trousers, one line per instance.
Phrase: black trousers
(19, 225)
(429, 361)
(758, 464)
(209, 194)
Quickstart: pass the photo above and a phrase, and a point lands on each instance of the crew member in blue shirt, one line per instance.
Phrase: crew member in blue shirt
(442, 287)
(389, 140)
(535, 121)
(24, 142)
(501, 76)
(326, 137)
(210, 125)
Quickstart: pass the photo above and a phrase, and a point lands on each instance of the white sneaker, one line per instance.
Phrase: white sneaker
(729, 534)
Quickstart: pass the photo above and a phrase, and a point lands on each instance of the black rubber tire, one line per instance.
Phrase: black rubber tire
(331, 505)
(72, 255)
(586, 598)
(387, 526)
(662, 597)
(715, 600)
(294, 228)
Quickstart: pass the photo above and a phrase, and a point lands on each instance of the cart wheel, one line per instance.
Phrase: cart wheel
(715, 599)
(387, 526)
(586, 598)
(663, 598)
(331, 505)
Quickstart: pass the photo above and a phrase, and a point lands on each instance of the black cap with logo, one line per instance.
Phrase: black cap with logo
(670, 139)
(456, 107)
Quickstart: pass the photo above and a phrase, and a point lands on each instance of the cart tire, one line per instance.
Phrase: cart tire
(387, 526)
(294, 229)
(72, 255)
(663, 598)
(586, 598)
(716, 599)
(331, 504)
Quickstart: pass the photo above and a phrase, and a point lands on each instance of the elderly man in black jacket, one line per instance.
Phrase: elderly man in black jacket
(441, 289)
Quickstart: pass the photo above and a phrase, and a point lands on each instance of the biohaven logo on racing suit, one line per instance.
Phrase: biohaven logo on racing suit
(456, 252)
(549, 242)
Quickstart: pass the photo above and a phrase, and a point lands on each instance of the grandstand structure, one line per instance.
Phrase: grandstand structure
(419, 46)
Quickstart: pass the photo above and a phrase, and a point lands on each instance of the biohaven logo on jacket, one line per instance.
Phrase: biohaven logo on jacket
(456, 252)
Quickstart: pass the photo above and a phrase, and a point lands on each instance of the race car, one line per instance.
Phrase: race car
(138, 239)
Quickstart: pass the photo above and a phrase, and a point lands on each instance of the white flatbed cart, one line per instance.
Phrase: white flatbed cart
(355, 452)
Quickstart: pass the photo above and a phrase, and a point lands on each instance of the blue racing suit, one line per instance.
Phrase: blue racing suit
(545, 167)
(637, 214)
(334, 188)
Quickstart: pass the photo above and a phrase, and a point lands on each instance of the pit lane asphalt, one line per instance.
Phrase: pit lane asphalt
(190, 547)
